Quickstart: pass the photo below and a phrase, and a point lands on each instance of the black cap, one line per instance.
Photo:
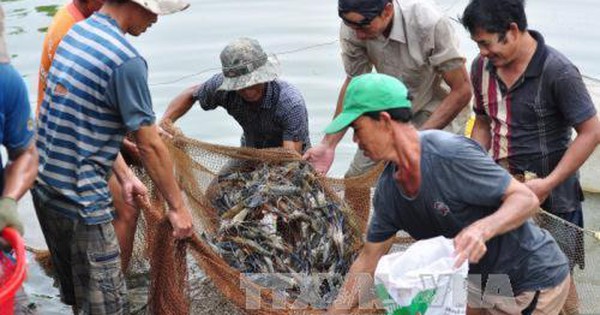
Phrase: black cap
(366, 8)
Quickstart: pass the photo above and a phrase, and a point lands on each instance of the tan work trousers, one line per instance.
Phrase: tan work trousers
(549, 301)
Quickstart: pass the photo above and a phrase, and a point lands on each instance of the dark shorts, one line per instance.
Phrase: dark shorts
(86, 259)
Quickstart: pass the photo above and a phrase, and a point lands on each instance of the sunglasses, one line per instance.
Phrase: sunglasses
(369, 14)
(364, 23)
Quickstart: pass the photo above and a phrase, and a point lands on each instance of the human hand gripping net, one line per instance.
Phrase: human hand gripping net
(271, 234)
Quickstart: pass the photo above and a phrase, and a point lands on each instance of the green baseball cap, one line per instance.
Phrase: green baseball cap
(369, 92)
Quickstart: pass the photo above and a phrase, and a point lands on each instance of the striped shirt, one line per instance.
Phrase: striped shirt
(532, 121)
(81, 127)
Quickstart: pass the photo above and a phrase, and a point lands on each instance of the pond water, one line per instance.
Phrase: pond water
(183, 50)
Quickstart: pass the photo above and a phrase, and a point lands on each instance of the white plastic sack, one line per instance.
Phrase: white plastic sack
(423, 280)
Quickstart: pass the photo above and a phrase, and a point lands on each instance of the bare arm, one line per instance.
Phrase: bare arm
(157, 162)
(518, 205)
(321, 156)
(359, 276)
(180, 104)
(120, 169)
(459, 96)
(131, 186)
(588, 137)
(130, 150)
(482, 131)
(20, 172)
(332, 140)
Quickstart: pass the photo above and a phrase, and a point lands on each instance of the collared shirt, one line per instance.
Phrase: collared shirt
(461, 184)
(62, 22)
(421, 46)
(281, 116)
(532, 121)
(97, 91)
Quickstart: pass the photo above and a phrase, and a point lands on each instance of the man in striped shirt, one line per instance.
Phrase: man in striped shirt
(528, 99)
(125, 222)
(96, 92)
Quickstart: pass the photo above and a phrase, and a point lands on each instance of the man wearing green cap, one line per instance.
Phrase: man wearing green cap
(436, 183)
(413, 41)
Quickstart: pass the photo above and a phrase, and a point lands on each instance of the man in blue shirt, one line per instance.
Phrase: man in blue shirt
(437, 183)
(97, 91)
(16, 135)
(271, 112)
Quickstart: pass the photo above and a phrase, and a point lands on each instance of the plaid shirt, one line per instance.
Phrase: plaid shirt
(282, 116)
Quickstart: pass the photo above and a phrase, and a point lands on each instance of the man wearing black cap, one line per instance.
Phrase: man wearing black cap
(410, 40)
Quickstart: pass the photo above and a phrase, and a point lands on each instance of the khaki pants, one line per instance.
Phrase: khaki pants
(549, 302)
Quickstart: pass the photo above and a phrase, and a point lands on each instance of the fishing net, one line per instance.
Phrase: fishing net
(582, 247)
(270, 234)
(266, 224)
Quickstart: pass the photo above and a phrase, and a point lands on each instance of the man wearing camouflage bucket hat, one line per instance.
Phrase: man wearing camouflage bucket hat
(437, 183)
(97, 90)
(248, 89)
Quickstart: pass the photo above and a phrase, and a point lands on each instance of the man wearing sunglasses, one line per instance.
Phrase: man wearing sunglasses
(410, 40)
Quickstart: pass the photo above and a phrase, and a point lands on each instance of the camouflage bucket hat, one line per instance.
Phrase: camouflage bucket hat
(244, 64)
(3, 52)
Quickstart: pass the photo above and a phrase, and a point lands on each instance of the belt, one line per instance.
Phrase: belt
(516, 174)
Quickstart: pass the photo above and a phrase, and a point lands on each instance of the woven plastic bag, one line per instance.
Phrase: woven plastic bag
(422, 280)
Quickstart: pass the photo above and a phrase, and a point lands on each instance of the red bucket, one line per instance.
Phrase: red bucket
(12, 270)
